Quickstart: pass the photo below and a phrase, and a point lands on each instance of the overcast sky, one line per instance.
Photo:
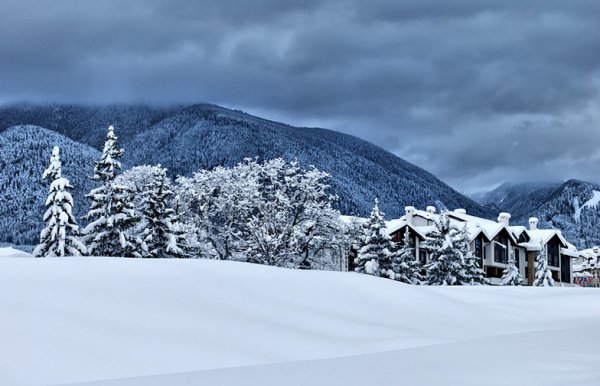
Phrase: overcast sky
(477, 92)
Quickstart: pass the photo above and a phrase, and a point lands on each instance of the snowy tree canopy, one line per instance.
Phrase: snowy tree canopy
(108, 166)
(158, 227)
(270, 212)
(59, 237)
(471, 274)
(511, 274)
(404, 263)
(112, 216)
(543, 276)
(375, 253)
(447, 246)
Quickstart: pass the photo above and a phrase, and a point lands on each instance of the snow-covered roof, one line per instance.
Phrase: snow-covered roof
(396, 224)
(570, 250)
(489, 228)
(475, 225)
(590, 253)
(542, 236)
(393, 225)
(517, 230)
(590, 259)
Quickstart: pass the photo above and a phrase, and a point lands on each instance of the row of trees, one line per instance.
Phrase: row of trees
(451, 261)
(122, 220)
(270, 212)
(273, 213)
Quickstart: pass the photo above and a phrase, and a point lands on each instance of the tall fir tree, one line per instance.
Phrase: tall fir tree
(404, 263)
(447, 245)
(543, 276)
(59, 238)
(471, 274)
(511, 274)
(160, 228)
(112, 216)
(374, 256)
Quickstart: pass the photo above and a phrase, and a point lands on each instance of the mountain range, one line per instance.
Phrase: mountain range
(187, 138)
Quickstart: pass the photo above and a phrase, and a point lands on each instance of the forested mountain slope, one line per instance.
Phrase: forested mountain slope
(24, 154)
(203, 136)
(571, 207)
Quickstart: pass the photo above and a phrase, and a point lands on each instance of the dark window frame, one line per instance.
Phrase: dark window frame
(553, 253)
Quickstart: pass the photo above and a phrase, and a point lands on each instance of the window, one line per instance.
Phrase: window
(501, 248)
(500, 253)
(479, 250)
(565, 269)
(493, 272)
(517, 257)
(553, 253)
(422, 257)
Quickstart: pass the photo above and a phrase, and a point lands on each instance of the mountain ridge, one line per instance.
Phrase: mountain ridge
(185, 139)
(556, 205)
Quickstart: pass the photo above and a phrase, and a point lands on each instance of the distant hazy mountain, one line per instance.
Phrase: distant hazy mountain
(203, 136)
(571, 206)
(518, 199)
(24, 155)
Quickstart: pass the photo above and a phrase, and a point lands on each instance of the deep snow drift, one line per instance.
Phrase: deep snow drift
(183, 322)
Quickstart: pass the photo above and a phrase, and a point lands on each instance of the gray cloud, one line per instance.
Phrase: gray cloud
(476, 92)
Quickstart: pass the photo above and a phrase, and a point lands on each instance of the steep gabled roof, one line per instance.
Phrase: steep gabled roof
(475, 226)
(543, 236)
(518, 231)
(489, 228)
(396, 225)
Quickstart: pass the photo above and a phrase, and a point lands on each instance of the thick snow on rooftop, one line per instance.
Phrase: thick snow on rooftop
(200, 322)
(475, 225)
(541, 236)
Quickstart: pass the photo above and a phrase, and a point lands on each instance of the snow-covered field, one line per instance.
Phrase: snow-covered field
(197, 322)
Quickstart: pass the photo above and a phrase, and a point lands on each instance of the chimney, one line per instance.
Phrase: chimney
(533, 222)
(504, 218)
(410, 213)
(431, 209)
(460, 211)
(596, 250)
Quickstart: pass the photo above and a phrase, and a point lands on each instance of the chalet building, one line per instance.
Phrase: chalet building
(586, 268)
(492, 242)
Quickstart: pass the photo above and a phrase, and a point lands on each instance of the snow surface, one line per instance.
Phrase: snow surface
(592, 202)
(11, 252)
(199, 322)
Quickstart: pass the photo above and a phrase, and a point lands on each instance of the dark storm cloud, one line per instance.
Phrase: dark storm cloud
(476, 92)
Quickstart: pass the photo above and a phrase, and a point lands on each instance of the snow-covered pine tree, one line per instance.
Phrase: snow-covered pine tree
(446, 243)
(159, 226)
(543, 276)
(59, 238)
(404, 264)
(111, 216)
(471, 274)
(375, 257)
(511, 274)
